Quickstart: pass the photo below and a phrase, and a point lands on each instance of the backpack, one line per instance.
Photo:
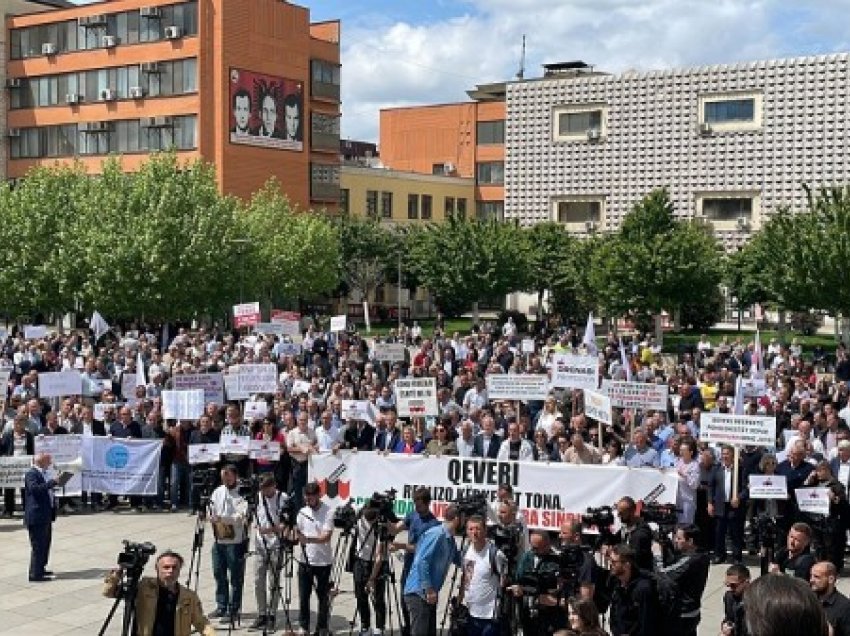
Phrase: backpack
(669, 603)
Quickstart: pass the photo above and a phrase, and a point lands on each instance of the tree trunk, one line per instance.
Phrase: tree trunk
(539, 305)
(845, 330)
(781, 325)
(677, 320)
(659, 331)
(476, 314)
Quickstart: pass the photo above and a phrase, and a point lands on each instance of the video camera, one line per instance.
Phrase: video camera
(133, 558)
(472, 505)
(384, 503)
(345, 517)
(602, 518)
(204, 481)
(249, 489)
(507, 539)
(768, 532)
(665, 515)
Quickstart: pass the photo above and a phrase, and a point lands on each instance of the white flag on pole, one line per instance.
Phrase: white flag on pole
(140, 371)
(98, 325)
(625, 361)
(739, 396)
(589, 340)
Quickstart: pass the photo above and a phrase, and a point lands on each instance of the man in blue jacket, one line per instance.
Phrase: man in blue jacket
(39, 514)
(435, 552)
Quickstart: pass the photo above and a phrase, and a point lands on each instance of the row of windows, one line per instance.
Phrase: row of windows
(128, 27)
(100, 138)
(720, 113)
(324, 182)
(380, 205)
(155, 79)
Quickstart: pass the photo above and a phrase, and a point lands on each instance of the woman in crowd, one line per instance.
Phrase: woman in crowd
(828, 530)
(440, 443)
(408, 444)
(687, 468)
(542, 451)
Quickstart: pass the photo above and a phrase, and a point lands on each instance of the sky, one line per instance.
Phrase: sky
(408, 52)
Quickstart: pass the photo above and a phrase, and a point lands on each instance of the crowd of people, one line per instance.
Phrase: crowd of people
(717, 518)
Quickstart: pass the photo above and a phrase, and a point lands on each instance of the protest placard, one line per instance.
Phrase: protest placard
(203, 453)
(737, 430)
(636, 395)
(183, 405)
(813, 500)
(300, 386)
(257, 378)
(389, 351)
(528, 345)
(597, 406)
(63, 450)
(99, 410)
(338, 323)
(269, 328)
(246, 314)
(13, 470)
(231, 387)
(212, 384)
(234, 444)
(265, 451)
(59, 384)
(128, 387)
(753, 387)
(35, 332)
(358, 410)
(517, 386)
(768, 487)
(256, 410)
(289, 349)
(575, 372)
(291, 321)
(416, 397)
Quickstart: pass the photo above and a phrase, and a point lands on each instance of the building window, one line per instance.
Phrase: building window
(488, 210)
(580, 214)
(449, 207)
(730, 112)
(728, 210)
(490, 172)
(387, 205)
(579, 122)
(460, 210)
(325, 79)
(324, 182)
(372, 204)
(427, 201)
(412, 206)
(325, 131)
(490, 133)
(344, 202)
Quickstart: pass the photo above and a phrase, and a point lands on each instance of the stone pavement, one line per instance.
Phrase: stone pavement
(85, 546)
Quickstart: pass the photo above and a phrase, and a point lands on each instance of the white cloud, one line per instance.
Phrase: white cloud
(404, 64)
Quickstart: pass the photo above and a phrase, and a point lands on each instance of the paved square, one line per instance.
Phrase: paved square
(85, 546)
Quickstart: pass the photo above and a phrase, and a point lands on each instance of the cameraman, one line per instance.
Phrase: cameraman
(634, 602)
(634, 532)
(795, 559)
(161, 603)
(689, 572)
(368, 570)
(416, 523)
(227, 511)
(510, 524)
(484, 568)
(539, 567)
(315, 528)
(269, 532)
(570, 539)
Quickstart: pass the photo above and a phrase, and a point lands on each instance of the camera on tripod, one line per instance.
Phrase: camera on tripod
(134, 557)
(507, 540)
(768, 531)
(602, 518)
(249, 489)
(384, 503)
(345, 517)
(204, 481)
(472, 505)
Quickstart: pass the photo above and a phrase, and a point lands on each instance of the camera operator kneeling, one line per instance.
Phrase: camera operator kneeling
(162, 606)
(538, 586)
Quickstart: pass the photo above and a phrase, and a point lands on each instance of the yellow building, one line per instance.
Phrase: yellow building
(404, 197)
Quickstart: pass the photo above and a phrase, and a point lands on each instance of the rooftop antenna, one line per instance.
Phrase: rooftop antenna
(521, 73)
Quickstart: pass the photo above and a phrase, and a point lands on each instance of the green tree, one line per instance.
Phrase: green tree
(291, 254)
(368, 253)
(551, 265)
(465, 261)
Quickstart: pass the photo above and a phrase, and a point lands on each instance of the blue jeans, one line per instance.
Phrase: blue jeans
(180, 483)
(228, 563)
(481, 627)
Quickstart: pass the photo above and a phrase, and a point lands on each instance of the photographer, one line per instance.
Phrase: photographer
(795, 559)
(634, 602)
(484, 568)
(227, 512)
(689, 572)
(537, 583)
(415, 523)
(509, 524)
(268, 534)
(570, 541)
(161, 603)
(435, 551)
(369, 564)
(634, 532)
(315, 529)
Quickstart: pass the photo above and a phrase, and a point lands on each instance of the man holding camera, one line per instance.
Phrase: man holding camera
(268, 534)
(227, 512)
(162, 605)
(315, 528)
(435, 551)
(689, 572)
(634, 602)
(369, 565)
(537, 578)
(484, 568)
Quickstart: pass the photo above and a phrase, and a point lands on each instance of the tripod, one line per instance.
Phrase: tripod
(127, 593)
(197, 547)
(284, 563)
(463, 545)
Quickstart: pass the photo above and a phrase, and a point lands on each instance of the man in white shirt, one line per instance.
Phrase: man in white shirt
(328, 437)
(476, 397)
(227, 512)
(515, 447)
(267, 537)
(315, 528)
(483, 569)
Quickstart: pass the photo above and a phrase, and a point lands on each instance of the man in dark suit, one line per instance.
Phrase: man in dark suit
(39, 515)
(388, 435)
(359, 434)
(727, 508)
(18, 441)
(840, 466)
(487, 443)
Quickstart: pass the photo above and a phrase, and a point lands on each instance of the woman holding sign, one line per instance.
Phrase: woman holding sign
(828, 530)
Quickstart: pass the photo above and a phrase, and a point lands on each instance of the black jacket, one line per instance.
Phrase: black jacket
(363, 440)
(836, 606)
(634, 608)
(639, 540)
(733, 614)
(690, 573)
